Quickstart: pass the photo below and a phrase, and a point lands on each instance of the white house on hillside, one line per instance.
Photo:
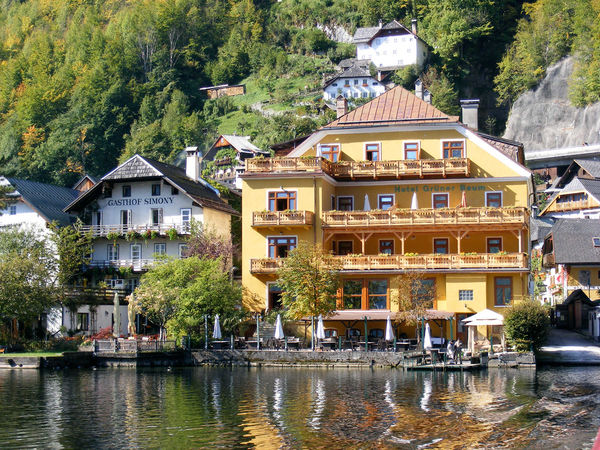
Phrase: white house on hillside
(390, 46)
(353, 82)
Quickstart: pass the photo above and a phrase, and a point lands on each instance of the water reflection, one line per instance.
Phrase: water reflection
(283, 408)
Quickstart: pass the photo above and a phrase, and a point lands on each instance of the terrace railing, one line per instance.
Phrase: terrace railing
(122, 230)
(287, 218)
(136, 265)
(132, 346)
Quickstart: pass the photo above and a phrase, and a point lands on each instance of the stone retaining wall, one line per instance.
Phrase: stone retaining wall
(512, 359)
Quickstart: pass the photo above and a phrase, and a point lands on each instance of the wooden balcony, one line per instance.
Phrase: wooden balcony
(573, 206)
(122, 230)
(411, 217)
(282, 218)
(410, 262)
(419, 168)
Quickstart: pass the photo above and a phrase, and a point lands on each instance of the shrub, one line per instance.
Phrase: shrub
(527, 324)
(103, 333)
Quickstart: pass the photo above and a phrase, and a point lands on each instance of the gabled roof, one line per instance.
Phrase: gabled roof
(240, 143)
(140, 168)
(591, 166)
(394, 107)
(578, 294)
(350, 72)
(592, 187)
(572, 241)
(48, 200)
(512, 149)
(348, 62)
(367, 34)
(364, 34)
(83, 179)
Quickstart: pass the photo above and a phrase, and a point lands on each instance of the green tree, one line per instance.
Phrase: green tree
(309, 281)
(413, 295)
(5, 197)
(177, 293)
(527, 325)
(73, 248)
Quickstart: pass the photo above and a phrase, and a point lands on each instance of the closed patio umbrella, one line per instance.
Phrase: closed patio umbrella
(463, 200)
(427, 345)
(279, 328)
(389, 331)
(414, 204)
(217, 329)
(367, 206)
(320, 329)
(116, 316)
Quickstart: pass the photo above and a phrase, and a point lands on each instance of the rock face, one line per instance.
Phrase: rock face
(544, 117)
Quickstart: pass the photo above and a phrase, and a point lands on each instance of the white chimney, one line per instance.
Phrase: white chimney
(192, 165)
(341, 106)
(413, 24)
(470, 112)
(419, 89)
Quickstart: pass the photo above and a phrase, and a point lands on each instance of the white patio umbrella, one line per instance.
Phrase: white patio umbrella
(217, 329)
(389, 331)
(414, 204)
(116, 316)
(367, 206)
(484, 318)
(427, 345)
(279, 328)
(320, 329)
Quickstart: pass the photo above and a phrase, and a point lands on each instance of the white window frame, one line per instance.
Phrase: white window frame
(464, 141)
(372, 143)
(164, 244)
(494, 192)
(386, 195)
(112, 250)
(12, 210)
(411, 142)
(344, 196)
(183, 222)
(180, 249)
(128, 215)
(447, 194)
(160, 216)
(132, 246)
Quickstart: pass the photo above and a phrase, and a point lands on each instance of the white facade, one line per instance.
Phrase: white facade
(20, 213)
(353, 87)
(86, 320)
(393, 51)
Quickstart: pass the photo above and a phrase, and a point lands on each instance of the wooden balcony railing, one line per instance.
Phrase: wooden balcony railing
(122, 230)
(410, 262)
(571, 206)
(446, 216)
(362, 169)
(282, 218)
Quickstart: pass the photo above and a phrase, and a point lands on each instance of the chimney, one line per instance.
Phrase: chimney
(419, 89)
(470, 112)
(413, 25)
(341, 106)
(380, 23)
(427, 96)
(192, 165)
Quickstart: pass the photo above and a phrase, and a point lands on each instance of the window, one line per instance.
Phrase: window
(186, 217)
(330, 332)
(344, 248)
(453, 149)
(282, 200)
(377, 292)
(493, 199)
(411, 150)
(331, 152)
(183, 248)
(440, 246)
(465, 295)
(355, 95)
(156, 216)
(155, 190)
(424, 291)
(345, 203)
(174, 190)
(494, 245)
(346, 83)
(160, 249)
(375, 83)
(440, 201)
(364, 95)
(502, 291)
(126, 190)
(596, 241)
(99, 218)
(352, 294)
(112, 252)
(13, 210)
(386, 246)
(372, 152)
(83, 321)
(334, 84)
(125, 217)
(355, 82)
(385, 201)
(136, 252)
(584, 277)
(365, 82)
(274, 296)
(280, 246)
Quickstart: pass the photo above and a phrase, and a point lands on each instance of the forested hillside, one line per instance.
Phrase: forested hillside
(86, 83)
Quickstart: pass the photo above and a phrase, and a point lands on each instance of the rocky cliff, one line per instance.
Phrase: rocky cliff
(544, 117)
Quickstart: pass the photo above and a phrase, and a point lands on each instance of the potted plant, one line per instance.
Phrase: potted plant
(113, 236)
(132, 235)
(172, 234)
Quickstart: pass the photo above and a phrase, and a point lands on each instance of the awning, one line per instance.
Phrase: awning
(485, 317)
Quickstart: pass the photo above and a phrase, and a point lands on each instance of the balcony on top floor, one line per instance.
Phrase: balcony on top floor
(287, 218)
(471, 216)
(353, 263)
(136, 265)
(419, 168)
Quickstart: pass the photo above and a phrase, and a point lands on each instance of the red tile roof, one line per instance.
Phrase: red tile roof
(396, 106)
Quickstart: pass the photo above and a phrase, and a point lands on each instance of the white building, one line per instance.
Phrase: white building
(390, 46)
(353, 82)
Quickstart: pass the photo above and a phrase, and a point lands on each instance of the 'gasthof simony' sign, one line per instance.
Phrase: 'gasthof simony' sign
(149, 201)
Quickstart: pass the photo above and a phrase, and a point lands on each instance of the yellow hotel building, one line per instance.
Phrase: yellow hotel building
(393, 186)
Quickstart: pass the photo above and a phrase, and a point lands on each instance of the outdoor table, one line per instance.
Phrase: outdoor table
(295, 344)
(330, 344)
(404, 345)
(220, 345)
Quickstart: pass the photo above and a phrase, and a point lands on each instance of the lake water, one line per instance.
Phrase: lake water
(294, 408)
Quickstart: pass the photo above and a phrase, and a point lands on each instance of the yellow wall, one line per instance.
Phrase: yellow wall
(573, 280)
(218, 221)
